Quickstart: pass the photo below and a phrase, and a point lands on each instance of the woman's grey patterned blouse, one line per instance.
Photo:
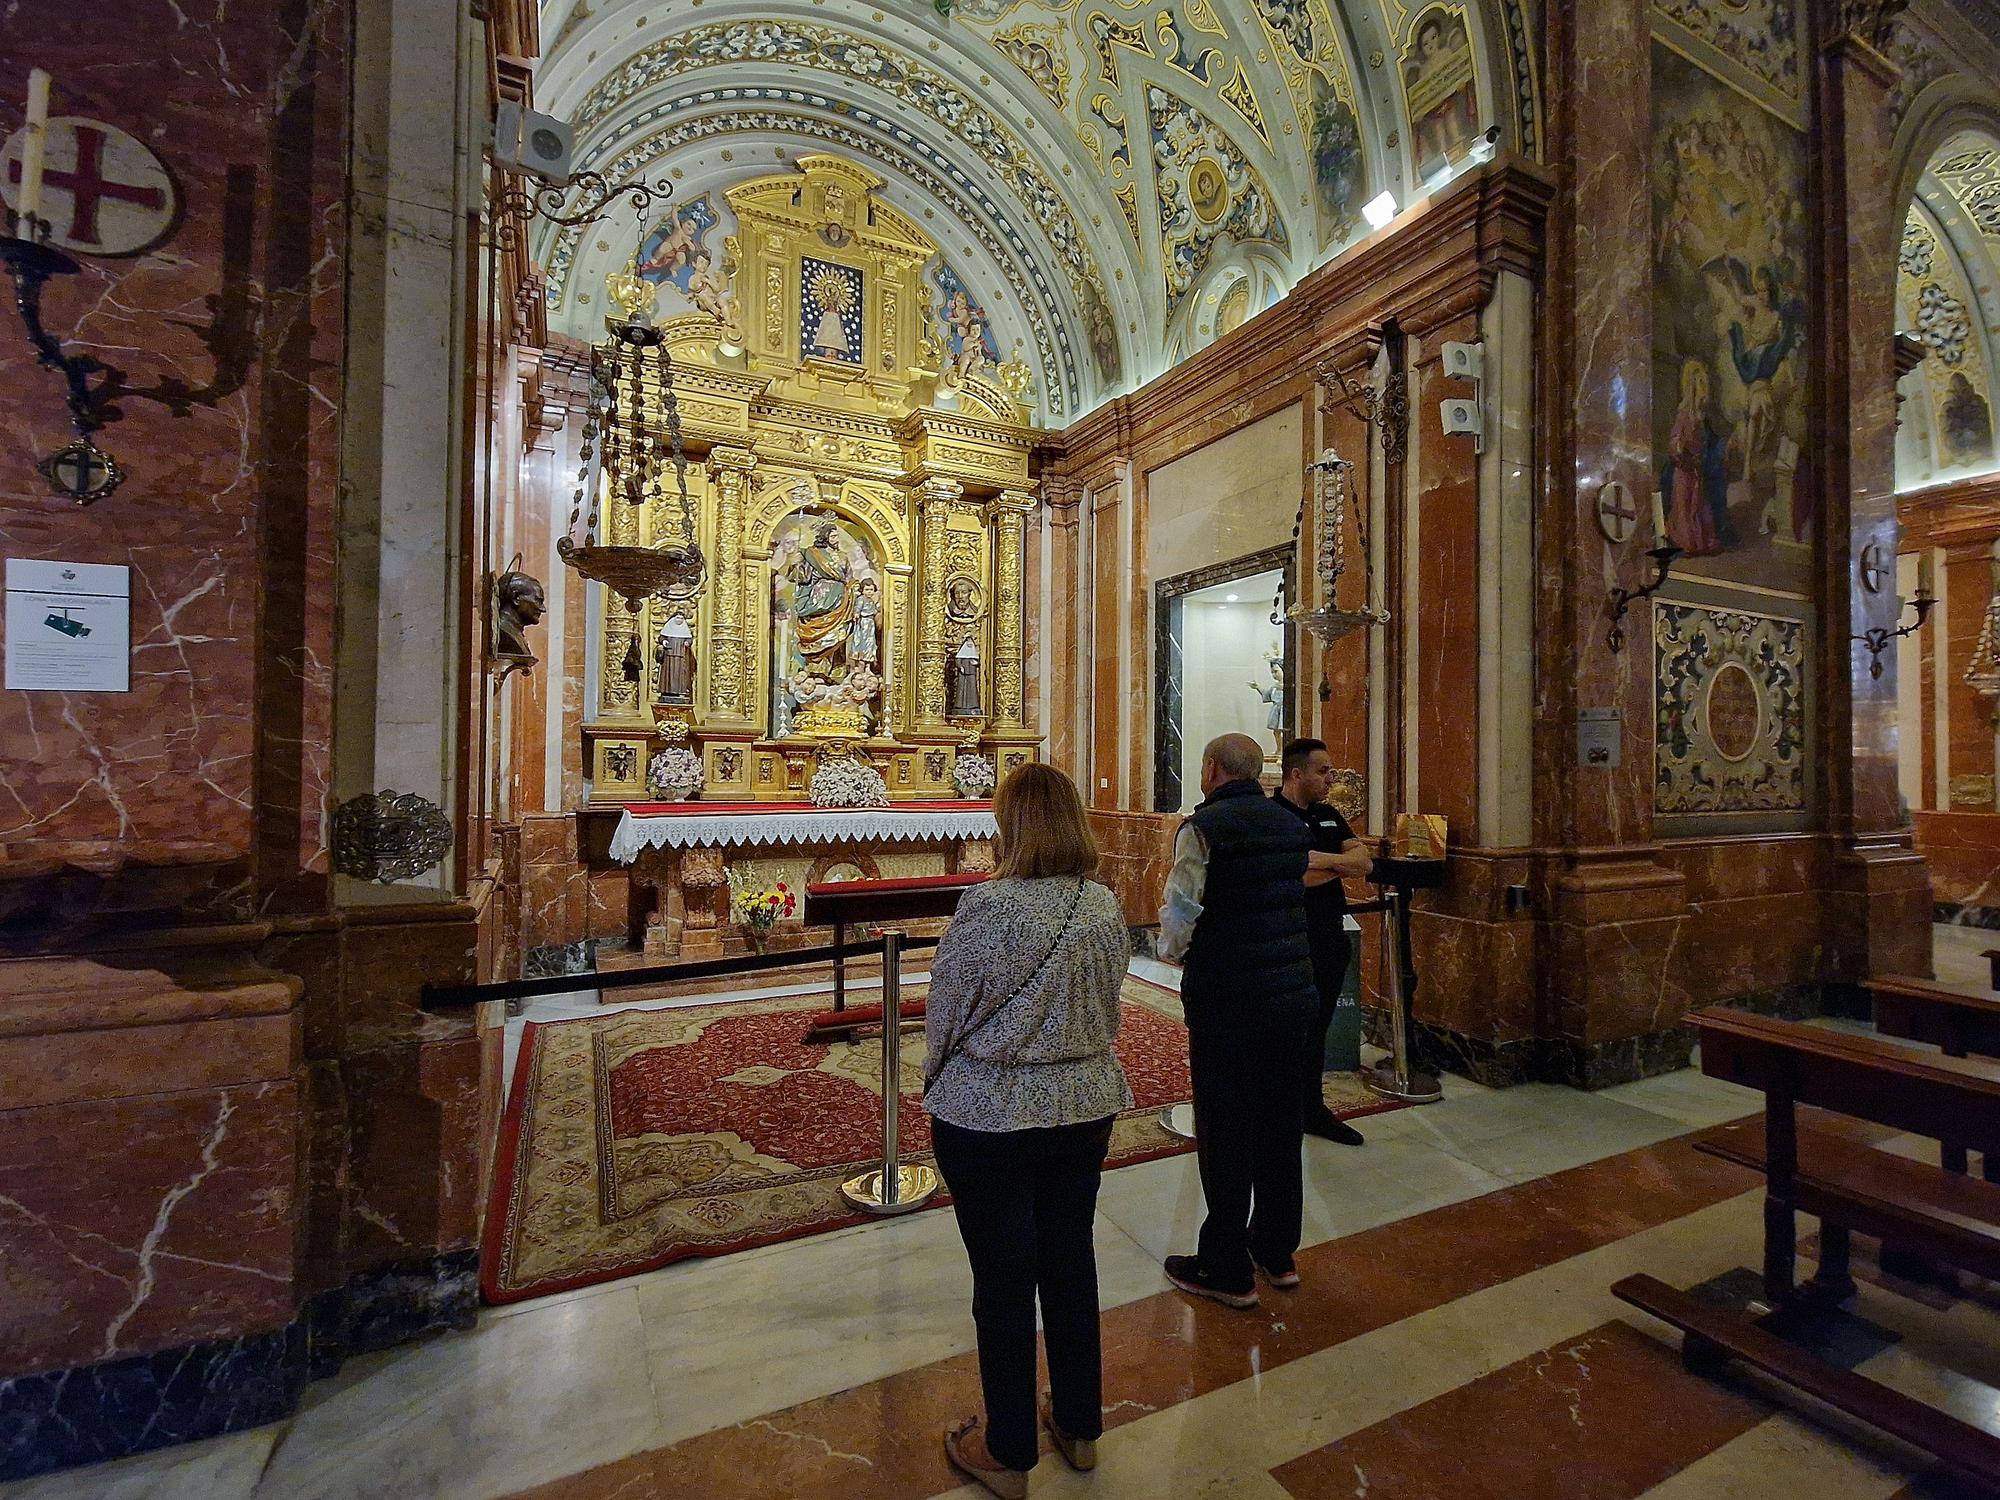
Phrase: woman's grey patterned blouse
(1046, 1059)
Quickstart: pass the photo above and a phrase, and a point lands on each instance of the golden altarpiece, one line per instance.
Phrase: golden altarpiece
(863, 499)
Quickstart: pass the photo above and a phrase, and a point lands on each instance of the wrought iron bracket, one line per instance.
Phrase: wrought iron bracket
(1664, 557)
(1878, 638)
(517, 206)
(1387, 410)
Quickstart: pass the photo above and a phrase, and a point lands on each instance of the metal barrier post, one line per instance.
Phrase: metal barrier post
(1393, 1079)
(894, 1187)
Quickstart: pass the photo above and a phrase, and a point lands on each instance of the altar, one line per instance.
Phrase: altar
(691, 855)
(853, 476)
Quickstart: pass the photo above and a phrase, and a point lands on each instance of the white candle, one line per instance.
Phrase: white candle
(1660, 537)
(1926, 575)
(31, 150)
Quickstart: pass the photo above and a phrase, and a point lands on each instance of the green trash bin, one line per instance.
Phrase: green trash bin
(1343, 1033)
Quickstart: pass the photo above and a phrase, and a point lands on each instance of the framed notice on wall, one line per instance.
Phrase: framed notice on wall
(69, 627)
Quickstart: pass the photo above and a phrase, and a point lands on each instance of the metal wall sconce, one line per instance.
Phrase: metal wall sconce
(1878, 638)
(1664, 557)
(81, 470)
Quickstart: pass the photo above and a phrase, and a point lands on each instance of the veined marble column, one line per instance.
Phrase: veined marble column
(935, 498)
(729, 675)
(1882, 888)
(1063, 637)
(1011, 510)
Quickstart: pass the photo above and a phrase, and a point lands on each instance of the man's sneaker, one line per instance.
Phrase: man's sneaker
(1285, 1278)
(1185, 1272)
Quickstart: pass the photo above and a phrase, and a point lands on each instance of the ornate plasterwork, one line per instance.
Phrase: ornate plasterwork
(840, 53)
(1759, 36)
(1038, 52)
(1954, 385)
(1208, 193)
(1730, 736)
(680, 125)
(1972, 176)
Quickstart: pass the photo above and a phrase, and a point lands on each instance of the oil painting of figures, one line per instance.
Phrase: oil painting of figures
(1730, 322)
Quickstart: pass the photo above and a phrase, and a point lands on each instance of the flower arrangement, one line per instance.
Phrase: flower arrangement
(975, 775)
(847, 783)
(675, 771)
(758, 908)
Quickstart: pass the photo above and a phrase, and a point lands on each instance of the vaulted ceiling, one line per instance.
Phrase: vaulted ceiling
(1949, 296)
(1114, 184)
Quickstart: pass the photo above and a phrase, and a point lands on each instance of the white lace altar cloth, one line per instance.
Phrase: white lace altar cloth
(637, 832)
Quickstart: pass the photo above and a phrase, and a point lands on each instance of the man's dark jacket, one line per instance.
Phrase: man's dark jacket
(1249, 946)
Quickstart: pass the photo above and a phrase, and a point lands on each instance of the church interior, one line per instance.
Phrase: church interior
(535, 530)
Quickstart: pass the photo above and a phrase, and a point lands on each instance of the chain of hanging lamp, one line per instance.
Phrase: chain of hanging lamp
(620, 459)
(1329, 623)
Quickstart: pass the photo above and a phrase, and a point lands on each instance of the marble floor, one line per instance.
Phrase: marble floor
(1455, 1337)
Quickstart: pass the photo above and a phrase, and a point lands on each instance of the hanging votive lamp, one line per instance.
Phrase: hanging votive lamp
(620, 456)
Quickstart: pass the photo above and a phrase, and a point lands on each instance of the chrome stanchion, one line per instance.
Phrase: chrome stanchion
(894, 1187)
(1392, 1078)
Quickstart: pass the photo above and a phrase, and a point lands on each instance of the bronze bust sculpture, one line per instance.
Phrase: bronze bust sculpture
(518, 602)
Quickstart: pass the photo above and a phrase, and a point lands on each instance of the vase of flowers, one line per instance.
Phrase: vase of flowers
(674, 773)
(975, 776)
(758, 909)
(847, 784)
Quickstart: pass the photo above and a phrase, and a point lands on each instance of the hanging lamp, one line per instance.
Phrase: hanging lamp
(620, 457)
(1983, 673)
(1330, 492)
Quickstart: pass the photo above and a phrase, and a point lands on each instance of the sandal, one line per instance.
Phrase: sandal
(1007, 1484)
(1079, 1453)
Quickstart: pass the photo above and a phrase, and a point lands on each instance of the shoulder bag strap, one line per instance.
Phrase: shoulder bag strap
(936, 1067)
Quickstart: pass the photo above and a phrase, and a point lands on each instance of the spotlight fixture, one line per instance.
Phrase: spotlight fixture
(1484, 147)
(1379, 210)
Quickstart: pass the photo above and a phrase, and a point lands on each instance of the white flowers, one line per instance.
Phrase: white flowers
(676, 768)
(974, 774)
(847, 783)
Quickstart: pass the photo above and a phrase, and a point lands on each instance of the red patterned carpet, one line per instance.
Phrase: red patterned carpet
(644, 1137)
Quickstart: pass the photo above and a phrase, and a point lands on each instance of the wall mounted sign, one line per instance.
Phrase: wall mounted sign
(69, 627)
(1600, 738)
(103, 191)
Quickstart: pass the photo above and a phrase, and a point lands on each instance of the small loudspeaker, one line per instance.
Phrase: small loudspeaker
(1460, 416)
(1464, 361)
(525, 140)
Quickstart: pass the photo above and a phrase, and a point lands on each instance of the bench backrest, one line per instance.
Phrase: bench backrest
(1927, 1012)
(1923, 1093)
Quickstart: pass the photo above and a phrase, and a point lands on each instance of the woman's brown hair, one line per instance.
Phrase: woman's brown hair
(1042, 827)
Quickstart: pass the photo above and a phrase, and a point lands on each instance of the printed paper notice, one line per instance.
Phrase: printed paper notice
(69, 627)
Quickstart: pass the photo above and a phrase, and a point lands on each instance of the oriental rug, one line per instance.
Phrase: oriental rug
(644, 1137)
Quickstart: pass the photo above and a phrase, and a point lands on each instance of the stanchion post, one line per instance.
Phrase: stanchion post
(891, 1188)
(1395, 1079)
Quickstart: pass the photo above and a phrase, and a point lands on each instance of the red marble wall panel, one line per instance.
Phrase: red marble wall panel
(1445, 675)
(1106, 687)
(1135, 851)
(228, 340)
(1968, 581)
(169, 1222)
(1963, 852)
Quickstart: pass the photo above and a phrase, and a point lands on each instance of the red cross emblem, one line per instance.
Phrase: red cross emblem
(103, 192)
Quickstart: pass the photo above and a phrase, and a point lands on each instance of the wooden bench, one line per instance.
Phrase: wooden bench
(1849, 1185)
(1957, 1024)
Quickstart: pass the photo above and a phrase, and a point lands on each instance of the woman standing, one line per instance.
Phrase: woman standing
(1022, 1087)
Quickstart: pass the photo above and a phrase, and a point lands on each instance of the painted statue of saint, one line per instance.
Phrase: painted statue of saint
(864, 635)
(823, 599)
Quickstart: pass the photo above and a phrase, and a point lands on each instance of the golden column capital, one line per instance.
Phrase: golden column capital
(731, 460)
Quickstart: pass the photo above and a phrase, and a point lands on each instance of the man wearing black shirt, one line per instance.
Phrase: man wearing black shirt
(1336, 855)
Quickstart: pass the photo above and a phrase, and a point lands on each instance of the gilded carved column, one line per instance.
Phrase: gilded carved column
(935, 498)
(624, 672)
(1064, 638)
(729, 673)
(1011, 509)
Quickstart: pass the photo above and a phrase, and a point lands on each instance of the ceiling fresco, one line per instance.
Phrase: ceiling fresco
(1113, 185)
(1948, 295)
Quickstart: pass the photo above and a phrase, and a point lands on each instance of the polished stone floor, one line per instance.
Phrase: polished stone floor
(1455, 1337)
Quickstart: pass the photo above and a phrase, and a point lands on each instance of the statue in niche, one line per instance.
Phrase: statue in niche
(827, 632)
(518, 601)
(1273, 695)
(962, 684)
(673, 662)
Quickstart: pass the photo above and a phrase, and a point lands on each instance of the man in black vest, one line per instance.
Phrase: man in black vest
(1336, 855)
(1235, 914)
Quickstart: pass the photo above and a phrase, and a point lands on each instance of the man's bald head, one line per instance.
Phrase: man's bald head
(1230, 757)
